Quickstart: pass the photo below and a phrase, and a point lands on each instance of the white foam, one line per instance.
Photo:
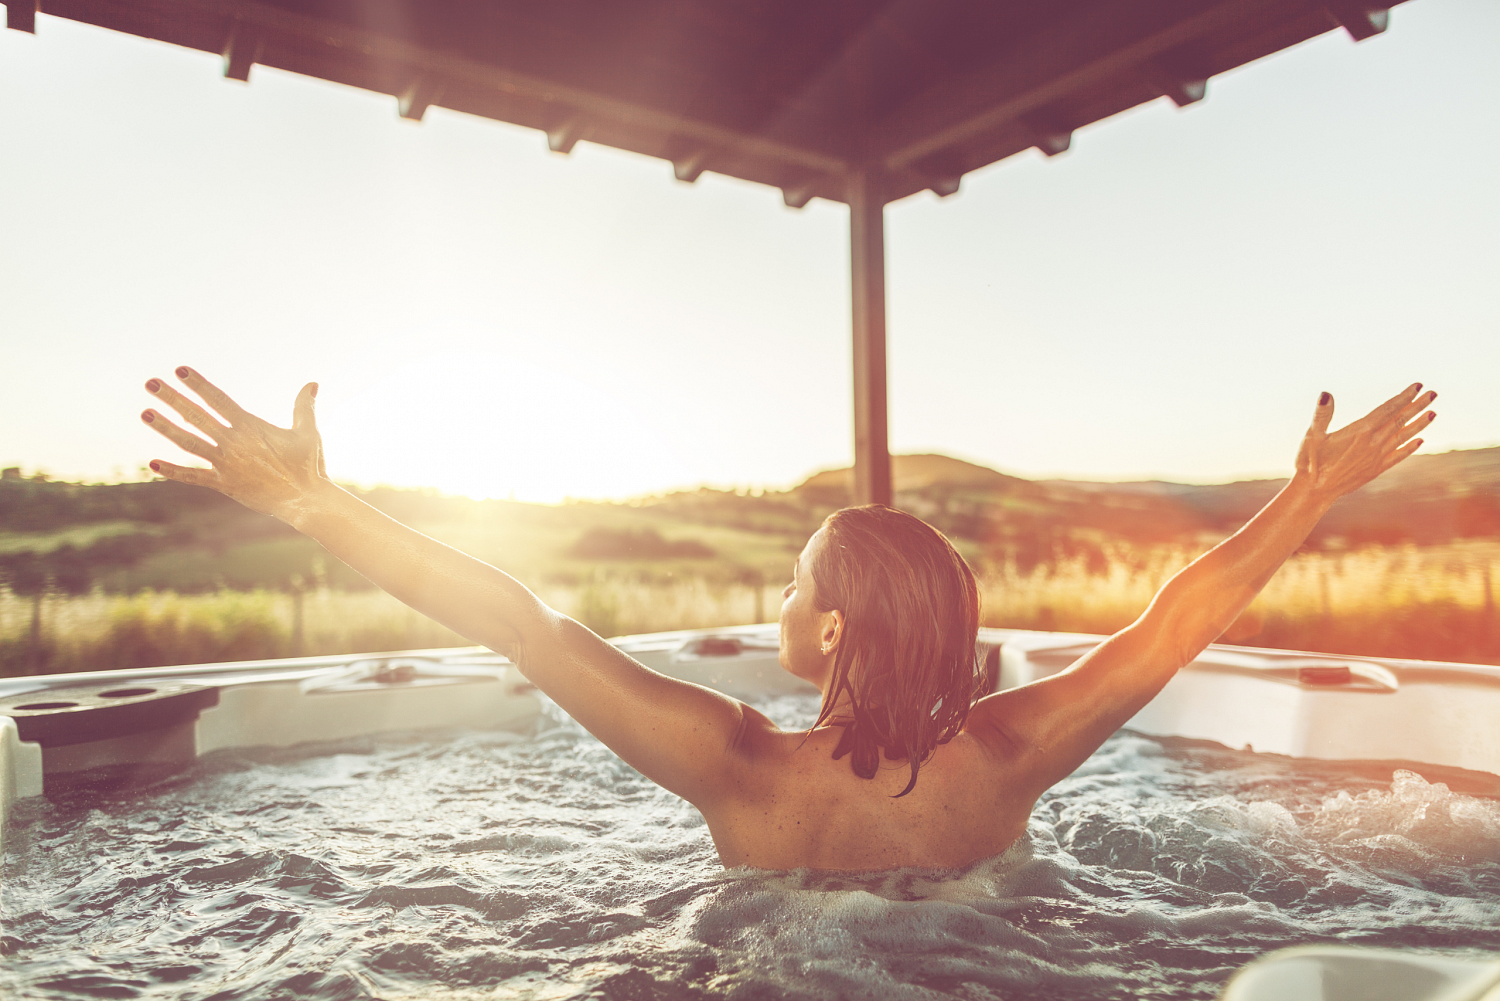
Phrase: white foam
(1412, 815)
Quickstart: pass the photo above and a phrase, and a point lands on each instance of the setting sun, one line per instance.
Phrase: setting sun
(487, 425)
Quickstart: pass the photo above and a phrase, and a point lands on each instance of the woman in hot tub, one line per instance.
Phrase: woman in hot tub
(881, 615)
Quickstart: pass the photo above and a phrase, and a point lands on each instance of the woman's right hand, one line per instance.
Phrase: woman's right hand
(266, 468)
(1340, 463)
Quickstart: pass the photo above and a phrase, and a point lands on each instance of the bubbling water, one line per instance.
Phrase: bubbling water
(482, 865)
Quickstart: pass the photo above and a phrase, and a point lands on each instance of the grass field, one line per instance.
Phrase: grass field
(1435, 603)
(106, 632)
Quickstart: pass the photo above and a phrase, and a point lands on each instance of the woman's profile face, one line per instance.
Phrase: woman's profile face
(802, 625)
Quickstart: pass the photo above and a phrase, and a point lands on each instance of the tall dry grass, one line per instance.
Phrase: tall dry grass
(106, 632)
(1433, 604)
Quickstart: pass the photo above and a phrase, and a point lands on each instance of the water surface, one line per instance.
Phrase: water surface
(465, 865)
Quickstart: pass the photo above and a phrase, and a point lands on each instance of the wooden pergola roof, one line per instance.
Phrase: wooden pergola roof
(857, 101)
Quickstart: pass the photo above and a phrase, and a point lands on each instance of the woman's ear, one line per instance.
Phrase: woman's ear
(833, 631)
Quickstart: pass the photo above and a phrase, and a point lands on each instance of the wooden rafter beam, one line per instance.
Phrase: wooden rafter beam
(419, 77)
(1092, 59)
(1098, 44)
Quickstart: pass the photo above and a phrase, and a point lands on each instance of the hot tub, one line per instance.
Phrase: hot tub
(423, 824)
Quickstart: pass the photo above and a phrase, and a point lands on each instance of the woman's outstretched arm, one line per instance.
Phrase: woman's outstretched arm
(1050, 727)
(685, 737)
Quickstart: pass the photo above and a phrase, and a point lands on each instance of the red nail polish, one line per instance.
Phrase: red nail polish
(155, 466)
(1419, 387)
(147, 416)
(1323, 400)
(1434, 396)
(183, 372)
(153, 386)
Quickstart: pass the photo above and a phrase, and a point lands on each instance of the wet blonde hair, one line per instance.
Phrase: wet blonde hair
(906, 658)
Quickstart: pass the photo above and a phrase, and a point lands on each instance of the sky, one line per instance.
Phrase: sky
(1165, 300)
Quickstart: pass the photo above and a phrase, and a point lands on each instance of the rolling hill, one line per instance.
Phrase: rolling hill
(166, 536)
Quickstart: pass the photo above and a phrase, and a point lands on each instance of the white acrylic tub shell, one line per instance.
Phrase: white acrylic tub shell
(1342, 973)
(1244, 697)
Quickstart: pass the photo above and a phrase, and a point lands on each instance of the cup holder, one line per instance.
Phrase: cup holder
(81, 714)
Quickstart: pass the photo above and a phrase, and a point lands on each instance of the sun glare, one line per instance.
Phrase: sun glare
(485, 425)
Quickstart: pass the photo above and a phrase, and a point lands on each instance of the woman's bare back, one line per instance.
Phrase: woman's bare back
(799, 807)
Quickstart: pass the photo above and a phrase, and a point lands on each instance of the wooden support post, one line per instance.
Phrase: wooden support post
(872, 458)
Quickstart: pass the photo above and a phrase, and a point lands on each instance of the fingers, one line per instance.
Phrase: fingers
(1389, 411)
(1400, 454)
(184, 440)
(1402, 398)
(1323, 415)
(190, 411)
(304, 419)
(1416, 406)
(214, 396)
(184, 474)
(1398, 403)
(1414, 427)
(1386, 420)
(1398, 426)
(303, 411)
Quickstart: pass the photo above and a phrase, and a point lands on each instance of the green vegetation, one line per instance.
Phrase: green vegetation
(141, 574)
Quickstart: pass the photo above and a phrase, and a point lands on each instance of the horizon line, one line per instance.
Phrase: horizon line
(742, 489)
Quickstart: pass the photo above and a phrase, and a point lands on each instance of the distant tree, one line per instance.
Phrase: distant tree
(70, 571)
(1377, 532)
(122, 550)
(1031, 547)
(1477, 514)
(66, 570)
(636, 544)
(26, 576)
(755, 579)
